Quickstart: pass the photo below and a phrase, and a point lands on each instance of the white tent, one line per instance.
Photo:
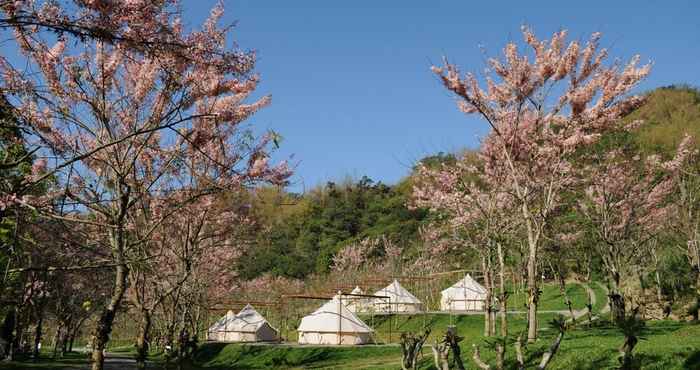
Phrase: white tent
(333, 323)
(217, 331)
(466, 295)
(247, 326)
(355, 304)
(400, 300)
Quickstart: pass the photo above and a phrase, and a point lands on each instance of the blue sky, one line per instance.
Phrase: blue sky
(350, 80)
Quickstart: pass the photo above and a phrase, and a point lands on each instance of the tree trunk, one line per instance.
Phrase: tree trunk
(659, 294)
(617, 300)
(489, 297)
(533, 294)
(64, 342)
(453, 340)
(519, 352)
(657, 275)
(567, 299)
(503, 304)
(103, 329)
(500, 355)
(492, 306)
(7, 332)
(547, 356)
(70, 342)
(411, 346)
(142, 340)
(441, 355)
(37, 334)
(15, 344)
(697, 295)
(626, 352)
(57, 340)
(75, 332)
(477, 359)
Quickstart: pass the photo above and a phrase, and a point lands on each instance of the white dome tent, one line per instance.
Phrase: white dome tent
(247, 326)
(465, 295)
(400, 300)
(333, 323)
(354, 303)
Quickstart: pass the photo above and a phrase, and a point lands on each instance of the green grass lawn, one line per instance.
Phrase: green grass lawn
(70, 361)
(668, 345)
(601, 296)
(551, 298)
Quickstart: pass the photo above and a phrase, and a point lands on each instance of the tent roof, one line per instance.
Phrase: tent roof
(466, 287)
(397, 294)
(219, 324)
(357, 290)
(248, 320)
(326, 318)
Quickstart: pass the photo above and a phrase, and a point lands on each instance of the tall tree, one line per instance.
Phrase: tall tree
(136, 122)
(541, 110)
(626, 203)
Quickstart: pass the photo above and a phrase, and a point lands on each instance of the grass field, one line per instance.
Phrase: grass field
(665, 345)
(551, 299)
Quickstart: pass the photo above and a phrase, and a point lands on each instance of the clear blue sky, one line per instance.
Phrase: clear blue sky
(350, 80)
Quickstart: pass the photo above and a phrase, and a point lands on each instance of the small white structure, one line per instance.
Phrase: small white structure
(333, 323)
(354, 303)
(400, 300)
(466, 295)
(247, 326)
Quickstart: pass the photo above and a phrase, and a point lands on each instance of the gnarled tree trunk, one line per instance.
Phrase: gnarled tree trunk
(617, 300)
(411, 346)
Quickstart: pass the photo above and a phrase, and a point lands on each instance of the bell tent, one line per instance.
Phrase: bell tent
(247, 326)
(333, 323)
(354, 303)
(400, 300)
(465, 295)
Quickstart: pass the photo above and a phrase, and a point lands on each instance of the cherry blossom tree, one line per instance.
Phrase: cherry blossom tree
(686, 222)
(195, 248)
(626, 203)
(145, 26)
(478, 217)
(541, 109)
(135, 124)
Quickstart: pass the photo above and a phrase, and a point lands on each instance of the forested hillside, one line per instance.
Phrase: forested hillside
(303, 238)
(300, 237)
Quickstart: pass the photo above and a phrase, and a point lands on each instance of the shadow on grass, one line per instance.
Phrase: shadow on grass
(693, 361)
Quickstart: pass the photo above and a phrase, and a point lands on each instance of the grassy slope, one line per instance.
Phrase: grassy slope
(668, 114)
(551, 299)
(668, 345)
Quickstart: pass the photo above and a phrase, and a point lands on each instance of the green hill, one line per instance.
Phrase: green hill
(669, 113)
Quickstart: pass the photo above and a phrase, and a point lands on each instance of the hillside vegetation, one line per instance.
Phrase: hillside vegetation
(302, 232)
